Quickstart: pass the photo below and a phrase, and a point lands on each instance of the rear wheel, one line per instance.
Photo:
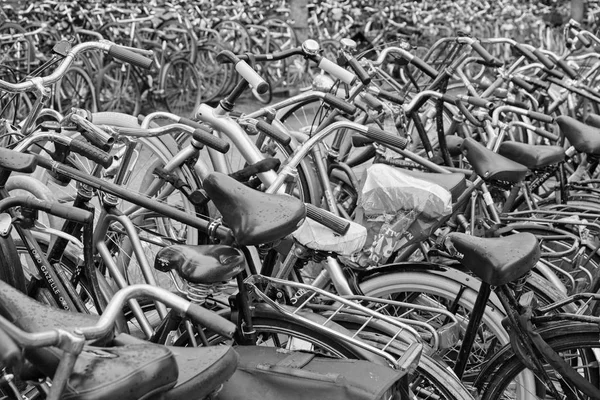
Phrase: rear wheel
(576, 343)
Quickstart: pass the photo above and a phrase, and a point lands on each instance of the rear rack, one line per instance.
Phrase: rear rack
(387, 336)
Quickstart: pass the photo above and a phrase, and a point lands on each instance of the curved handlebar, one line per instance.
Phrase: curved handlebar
(36, 82)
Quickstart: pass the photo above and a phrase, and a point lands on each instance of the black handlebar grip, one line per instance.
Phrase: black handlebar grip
(252, 77)
(423, 66)
(478, 102)
(537, 82)
(525, 51)
(211, 320)
(382, 136)
(332, 221)
(91, 152)
(273, 132)
(393, 97)
(546, 62)
(584, 40)
(212, 141)
(540, 116)
(10, 353)
(516, 103)
(359, 70)
(529, 88)
(448, 98)
(131, 57)
(487, 57)
(546, 134)
(554, 72)
(190, 122)
(340, 104)
(571, 73)
(373, 102)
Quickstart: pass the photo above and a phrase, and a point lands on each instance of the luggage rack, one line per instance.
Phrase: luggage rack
(384, 335)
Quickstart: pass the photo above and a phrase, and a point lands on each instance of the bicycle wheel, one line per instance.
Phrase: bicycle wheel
(234, 36)
(75, 89)
(214, 76)
(576, 343)
(180, 84)
(439, 291)
(16, 50)
(181, 40)
(118, 89)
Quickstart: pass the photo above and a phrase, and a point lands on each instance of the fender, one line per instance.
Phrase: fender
(448, 272)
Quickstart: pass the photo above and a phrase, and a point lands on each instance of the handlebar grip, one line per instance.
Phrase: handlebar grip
(546, 62)
(212, 141)
(131, 57)
(478, 101)
(584, 40)
(373, 102)
(10, 353)
(201, 135)
(382, 136)
(340, 104)
(540, 116)
(359, 70)
(93, 133)
(487, 57)
(393, 97)
(273, 132)
(332, 221)
(516, 103)
(525, 52)
(448, 98)
(522, 84)
(554, 72)
(91, 152)
(546, 134)
(252, 77)
(571, 73)
(336, 71)
(211, 320)
(423, 66)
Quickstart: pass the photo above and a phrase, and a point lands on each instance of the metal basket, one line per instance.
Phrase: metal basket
(393, 338)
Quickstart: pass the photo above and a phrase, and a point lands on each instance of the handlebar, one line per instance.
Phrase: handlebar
(107, 320)
(117, 51)
(408, 56)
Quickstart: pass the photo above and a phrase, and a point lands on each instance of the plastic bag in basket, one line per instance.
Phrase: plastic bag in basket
(397, 209)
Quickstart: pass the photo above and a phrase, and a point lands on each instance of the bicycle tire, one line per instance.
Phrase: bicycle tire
(180, 83)
(214, 76)
(184, 39)
(118, 90)
(569, 338)
(75, 89)
(436, 290)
